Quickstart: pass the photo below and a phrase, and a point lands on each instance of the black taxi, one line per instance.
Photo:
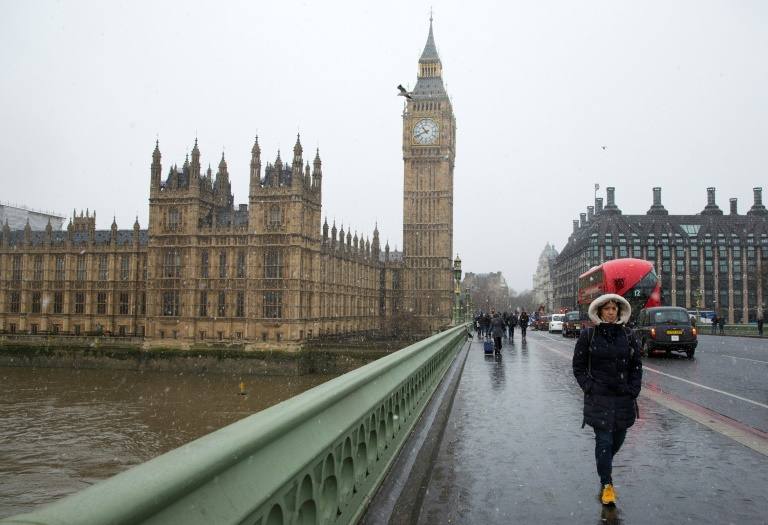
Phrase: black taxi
(573, 323)
(666, 328)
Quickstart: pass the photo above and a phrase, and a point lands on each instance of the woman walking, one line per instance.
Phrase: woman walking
(607, 366)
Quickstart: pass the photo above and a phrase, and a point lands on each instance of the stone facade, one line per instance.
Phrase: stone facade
(267, 273)
(709, 260)
(429, 149)
(543, 291)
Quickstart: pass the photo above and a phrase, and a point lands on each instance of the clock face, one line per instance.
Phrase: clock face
(425, 131)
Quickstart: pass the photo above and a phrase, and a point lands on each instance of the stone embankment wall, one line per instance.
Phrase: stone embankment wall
(128, 354)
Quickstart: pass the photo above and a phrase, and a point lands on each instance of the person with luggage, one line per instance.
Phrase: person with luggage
(497, 330)
(607, 366)
(523, 322)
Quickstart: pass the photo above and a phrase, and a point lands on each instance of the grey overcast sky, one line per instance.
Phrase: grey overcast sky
(676, 91)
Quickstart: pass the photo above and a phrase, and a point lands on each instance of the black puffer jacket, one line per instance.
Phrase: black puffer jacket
(612, 382)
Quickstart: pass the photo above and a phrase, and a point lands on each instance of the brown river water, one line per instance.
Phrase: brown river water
(62, 430)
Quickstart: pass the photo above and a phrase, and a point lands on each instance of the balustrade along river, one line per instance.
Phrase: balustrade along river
(63, 429)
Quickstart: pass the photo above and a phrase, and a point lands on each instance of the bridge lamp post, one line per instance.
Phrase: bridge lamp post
(467, 311)
(457, 289)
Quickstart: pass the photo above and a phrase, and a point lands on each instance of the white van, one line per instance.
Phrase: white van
(556, 323)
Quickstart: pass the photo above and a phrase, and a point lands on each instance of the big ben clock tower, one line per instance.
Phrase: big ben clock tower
(429, 149)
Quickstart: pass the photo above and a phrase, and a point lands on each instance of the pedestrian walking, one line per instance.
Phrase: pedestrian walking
(760, 320)
(721, 324)
(607, 366)
(523, 322)
(497, 329)
(714, 324)
(512, 324)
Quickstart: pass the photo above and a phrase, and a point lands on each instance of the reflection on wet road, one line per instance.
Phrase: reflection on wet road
(514, 450)
(65, 429)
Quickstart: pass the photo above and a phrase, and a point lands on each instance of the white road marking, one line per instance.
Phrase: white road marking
(646, 367)
(746, 359)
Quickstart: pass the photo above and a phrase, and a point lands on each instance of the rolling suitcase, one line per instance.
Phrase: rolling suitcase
(488, 346)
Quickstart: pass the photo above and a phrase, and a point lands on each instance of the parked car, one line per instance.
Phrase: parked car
(666, 328)
(556, 323)
(573, 323)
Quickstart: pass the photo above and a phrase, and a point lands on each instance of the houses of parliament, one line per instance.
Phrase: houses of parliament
(269, 273)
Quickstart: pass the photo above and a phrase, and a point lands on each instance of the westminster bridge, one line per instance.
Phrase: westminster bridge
(438, 432)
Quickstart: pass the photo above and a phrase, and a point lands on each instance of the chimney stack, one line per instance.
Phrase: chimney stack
(598, 205)
(590, 213)
(734, 209)
(657, 208)
(610, 206)
(582, 219)
(711, 208)
(758, 208)
(575, 226)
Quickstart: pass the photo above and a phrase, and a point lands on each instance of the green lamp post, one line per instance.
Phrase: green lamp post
(457, 289)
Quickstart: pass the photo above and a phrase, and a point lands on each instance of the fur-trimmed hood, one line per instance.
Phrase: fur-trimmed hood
(626, 309)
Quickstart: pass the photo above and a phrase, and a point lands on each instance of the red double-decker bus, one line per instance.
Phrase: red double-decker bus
(633, 279)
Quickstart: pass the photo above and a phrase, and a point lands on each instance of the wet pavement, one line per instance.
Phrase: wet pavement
(514, 451)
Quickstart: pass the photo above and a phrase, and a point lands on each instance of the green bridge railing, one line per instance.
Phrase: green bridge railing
(316, 458)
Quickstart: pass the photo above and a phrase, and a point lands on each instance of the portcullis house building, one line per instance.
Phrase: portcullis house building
(711, 260)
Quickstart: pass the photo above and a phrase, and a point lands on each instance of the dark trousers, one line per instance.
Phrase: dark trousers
(497, 343)
(511, 331)
(607, 444)
(522, 330)
(760, 327)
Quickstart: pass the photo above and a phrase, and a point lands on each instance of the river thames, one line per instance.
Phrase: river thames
(62, 430)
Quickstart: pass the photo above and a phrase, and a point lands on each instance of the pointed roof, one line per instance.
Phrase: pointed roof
(430, 50)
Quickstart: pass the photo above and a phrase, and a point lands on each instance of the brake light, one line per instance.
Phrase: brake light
(653, 333)
(693, 331)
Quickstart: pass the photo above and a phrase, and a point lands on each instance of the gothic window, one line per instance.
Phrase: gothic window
(14, 302)
(79, 303)
(170, 304)
(125, 267)
(273, 305)
(36, 302)
(240, 264)
(58, 302)
(101, 303)
(142, 304)
(103, 271)
(16, 269)
(203, 304)
(59, 268)
(38, 268)
(174, 219)
(240, 304)
(204, 264)
(172, 263)
(222, 264)
(222, 307)
(123, 303)
(80, 275)
(273, 261)
(275, 218)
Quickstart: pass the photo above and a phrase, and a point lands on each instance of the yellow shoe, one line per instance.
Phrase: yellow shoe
(608, 495)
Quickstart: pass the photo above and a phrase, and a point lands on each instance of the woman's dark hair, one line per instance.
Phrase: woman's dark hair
(615, 302)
